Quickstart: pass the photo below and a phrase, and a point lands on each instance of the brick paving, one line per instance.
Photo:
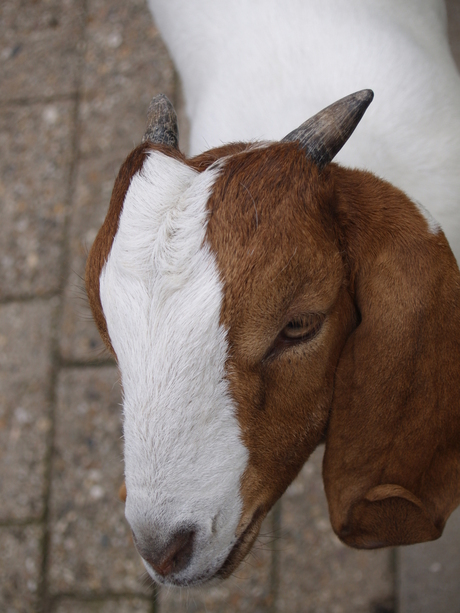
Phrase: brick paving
(76, 78)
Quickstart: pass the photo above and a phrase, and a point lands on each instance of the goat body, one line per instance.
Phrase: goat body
(255, 69)
(261, 299)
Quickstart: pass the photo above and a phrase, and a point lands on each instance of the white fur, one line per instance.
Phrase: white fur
(257, 69)
(433, 226)
(161, 296)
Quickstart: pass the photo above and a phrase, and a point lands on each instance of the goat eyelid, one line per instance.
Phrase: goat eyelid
(300, 329)
(297, 329)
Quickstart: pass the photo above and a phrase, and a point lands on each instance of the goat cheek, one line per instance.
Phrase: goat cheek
(281, 426)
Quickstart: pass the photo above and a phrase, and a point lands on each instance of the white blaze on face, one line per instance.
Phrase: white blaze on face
(161, 296)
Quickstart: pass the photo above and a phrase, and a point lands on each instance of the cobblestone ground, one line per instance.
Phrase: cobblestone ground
(76, 77)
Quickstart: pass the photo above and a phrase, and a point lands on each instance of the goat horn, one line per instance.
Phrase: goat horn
(161, 123)
(323, 135)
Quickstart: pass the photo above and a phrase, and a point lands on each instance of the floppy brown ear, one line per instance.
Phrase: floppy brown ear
(392, 462)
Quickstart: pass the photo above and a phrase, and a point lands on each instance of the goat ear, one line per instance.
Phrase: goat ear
(392, 462)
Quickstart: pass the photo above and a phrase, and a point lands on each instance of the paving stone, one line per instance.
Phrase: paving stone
(38, 47)
(20, 565)
(317, 572)
(25, 369)
(247, 590)
(429, 579)
(34, 171)
(91, 545)
(122, 39)
(119, 605)
(126, 64)
(79, 338)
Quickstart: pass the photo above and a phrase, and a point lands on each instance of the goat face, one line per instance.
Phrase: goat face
(287, 313)
(228, 286)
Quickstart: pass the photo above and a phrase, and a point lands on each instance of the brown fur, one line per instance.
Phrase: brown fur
(392, 463)
(380, 381)
(349, 245)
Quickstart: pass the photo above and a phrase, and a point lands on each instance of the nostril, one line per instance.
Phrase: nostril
(175, 556)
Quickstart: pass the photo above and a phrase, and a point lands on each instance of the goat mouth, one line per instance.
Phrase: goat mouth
(242, 545)
(176, 582)
(236, 555)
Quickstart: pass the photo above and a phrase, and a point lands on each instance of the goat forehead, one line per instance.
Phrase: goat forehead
(265, 201)
(160, 273)
(272, 242)
(161, 295)
(159, 290)
(162, 217)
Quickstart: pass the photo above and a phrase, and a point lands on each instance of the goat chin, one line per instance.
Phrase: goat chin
(261, 299)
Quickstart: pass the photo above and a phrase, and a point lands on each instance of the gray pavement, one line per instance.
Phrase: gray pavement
(76, 77)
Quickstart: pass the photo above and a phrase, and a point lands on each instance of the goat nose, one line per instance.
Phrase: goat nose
(174, 556)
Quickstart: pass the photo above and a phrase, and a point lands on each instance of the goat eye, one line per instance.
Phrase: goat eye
(299, 330)
(302, 328)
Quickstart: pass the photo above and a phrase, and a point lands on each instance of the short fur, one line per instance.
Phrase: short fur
(379, 382)
(160, 293)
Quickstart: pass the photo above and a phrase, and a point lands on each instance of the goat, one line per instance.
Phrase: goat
(253, 70)
(261, 299)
